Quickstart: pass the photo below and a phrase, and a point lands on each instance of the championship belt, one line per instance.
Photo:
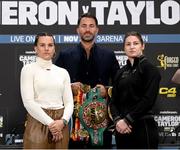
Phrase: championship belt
(93, 116)
(78, 131)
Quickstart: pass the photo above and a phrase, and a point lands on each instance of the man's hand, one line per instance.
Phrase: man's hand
(75, 87)
(103, 91)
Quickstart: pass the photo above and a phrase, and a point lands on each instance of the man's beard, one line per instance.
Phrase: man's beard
(88, 38)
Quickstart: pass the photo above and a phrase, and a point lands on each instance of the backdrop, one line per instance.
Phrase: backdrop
(158, 22)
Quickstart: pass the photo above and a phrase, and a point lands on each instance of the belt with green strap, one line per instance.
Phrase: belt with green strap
(93, 116)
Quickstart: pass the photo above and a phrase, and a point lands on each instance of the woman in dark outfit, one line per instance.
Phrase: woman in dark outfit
(134, 93)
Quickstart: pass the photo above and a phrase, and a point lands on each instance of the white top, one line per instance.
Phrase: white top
(45, 85)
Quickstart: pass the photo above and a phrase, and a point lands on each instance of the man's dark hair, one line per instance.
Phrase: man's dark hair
(88, 15)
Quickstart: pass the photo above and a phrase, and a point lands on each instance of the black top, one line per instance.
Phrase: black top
(98, 69)
(135, 90)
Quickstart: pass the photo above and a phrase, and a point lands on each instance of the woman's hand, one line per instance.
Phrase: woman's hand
(122, 127)
(56, 128)
(57, 137)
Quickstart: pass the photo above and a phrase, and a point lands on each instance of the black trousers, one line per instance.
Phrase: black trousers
(107, 144)
(144, 136)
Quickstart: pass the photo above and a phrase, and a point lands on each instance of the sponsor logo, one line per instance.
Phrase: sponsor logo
(167, 61)
(169, 92)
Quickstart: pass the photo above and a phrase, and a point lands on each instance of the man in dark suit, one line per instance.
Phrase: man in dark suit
(87, 63)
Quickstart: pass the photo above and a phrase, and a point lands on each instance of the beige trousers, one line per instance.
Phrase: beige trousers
(38, 136)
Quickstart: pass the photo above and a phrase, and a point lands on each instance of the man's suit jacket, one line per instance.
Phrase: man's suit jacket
(105, 61)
